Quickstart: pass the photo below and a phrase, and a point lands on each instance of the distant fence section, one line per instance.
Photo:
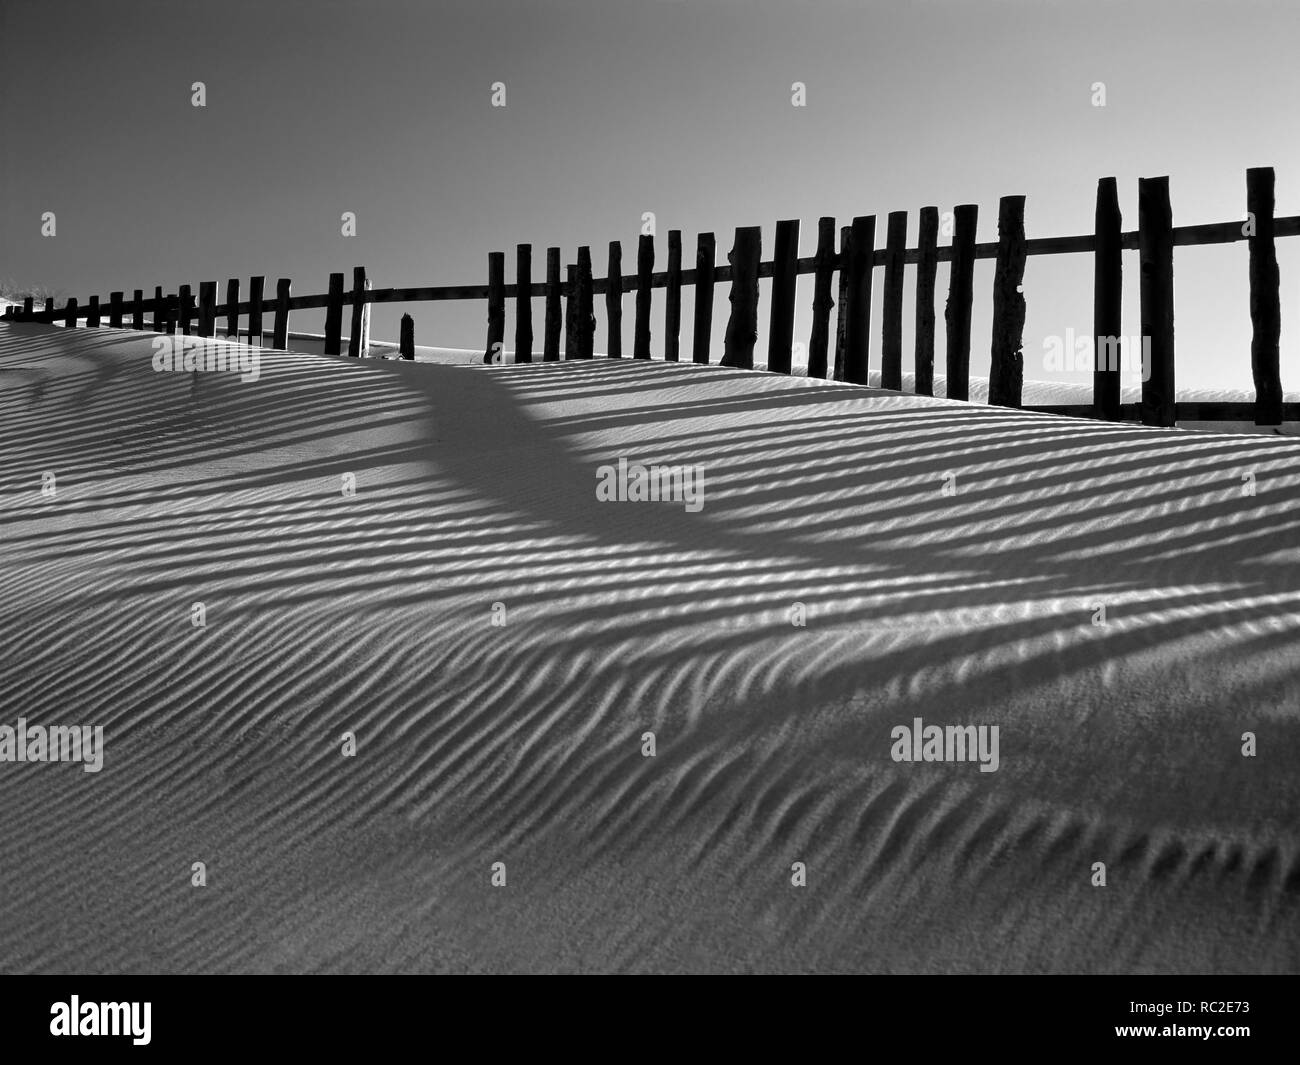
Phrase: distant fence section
(843, 355)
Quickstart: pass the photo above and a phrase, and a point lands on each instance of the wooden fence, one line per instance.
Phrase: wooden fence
(846, 358)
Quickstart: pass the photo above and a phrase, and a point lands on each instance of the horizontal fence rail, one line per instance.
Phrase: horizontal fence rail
(841, 353)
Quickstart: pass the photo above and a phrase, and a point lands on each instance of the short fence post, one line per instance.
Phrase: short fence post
(207, 308)
(1265, 302)
(356, 339)
(584, 298)
(891, 311)
(47, 315)
(1156, 255)
(673, 297)
(137, 309)
(184, 309)
(1107, 302)
(645, 261)
(70, 313)
(1007, 369)
(705, 268)
(824, 263)
(406, 338)
(523, 303)
(742, 323)
(956, 312)
(29, 304)
(92, 313)
(280, 335)
(256, 287)
(614, 300)
(927, 239)
(842, 318)
(115, 310)
(159, 310)
(232, 308)
(551, 325)
(334, 316)
(785, 277)
(862, 244)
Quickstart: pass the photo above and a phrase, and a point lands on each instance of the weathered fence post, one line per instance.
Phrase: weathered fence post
(824, 268)
(1107, 302)
(334, 316)
(280, 330)
(137, 309)
(406, 338)
(585, 319)
(956, 312)
(29, 305)
(159, 310)
(70, 313)
(173, 316)
(551, 338)
(232, 308)
(614, 300)
(927, 240)
(92, 313)
(47, 315)
(207, 308)
(570, 310)
(705, 268)
(496, 334)
(891, 310)
(356, 328)
(742, 324)
(1007, 369)
(842, 318)
(256, 285)
(862, 243)
(1265, 300)
(1156, 255)
(645, 261)
(785, 277)
(115, 310)
(673, 297)
(523, 303)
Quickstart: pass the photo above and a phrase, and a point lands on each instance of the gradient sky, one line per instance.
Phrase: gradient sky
(615, 108)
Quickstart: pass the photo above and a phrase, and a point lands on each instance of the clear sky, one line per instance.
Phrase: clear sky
(614, 108)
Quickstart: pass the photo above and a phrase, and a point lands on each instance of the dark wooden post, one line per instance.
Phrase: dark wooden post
(614, 300)
(673, 297)
(862, 243)
(185, 309)
(159, 310)
(584, 316)
(47, 316)
(256, 285)
(92, 313)
(1156, 255)
(115, 310)
(173, 314)
(824, 268)
(355, 329)
(1107, 302)
(334, 316)
(70, 313)
(1265, 299)
(551, 339)
(842, 319)
(208, 308)
(280, 331)
(956, 314)
(891, 311)
(742, 324)
(523, 303)
(570, 310)
(705, 267)
(232, 308)
(927, 240)
(1007, 372)
(785, 277)
(645, 261)
(496, 332)
(137, 309)
(29, 305)
(406, 338)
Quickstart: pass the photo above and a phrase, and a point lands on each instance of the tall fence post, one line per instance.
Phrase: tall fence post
(705, 268)
(207, 308)
(956, 314)
(29, 304)
(523, 303)
(1107, 302)
(570, 310)
(551, 338)
(614, 300)
(1156, 254)
(862, 243)
(232, 308)
(70, 313)
(159, 310)
(92, 313)
(1265, 300)
(256, 286)
(585, 318)
(406, 338)
(334, 316)
(785, 277)
(1007, 369)
(842, 318)
(137, 309)
(673, 297)
(824, 268)
(645, 262)
(891, 311)
(280, 333)
(496, 332)
(359, 306)
(742, 324)
(115, 310)
(927, 241)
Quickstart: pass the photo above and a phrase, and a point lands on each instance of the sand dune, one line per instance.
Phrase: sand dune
(522, 743)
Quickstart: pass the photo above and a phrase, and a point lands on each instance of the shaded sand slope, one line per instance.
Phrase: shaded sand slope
(1119, 743)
